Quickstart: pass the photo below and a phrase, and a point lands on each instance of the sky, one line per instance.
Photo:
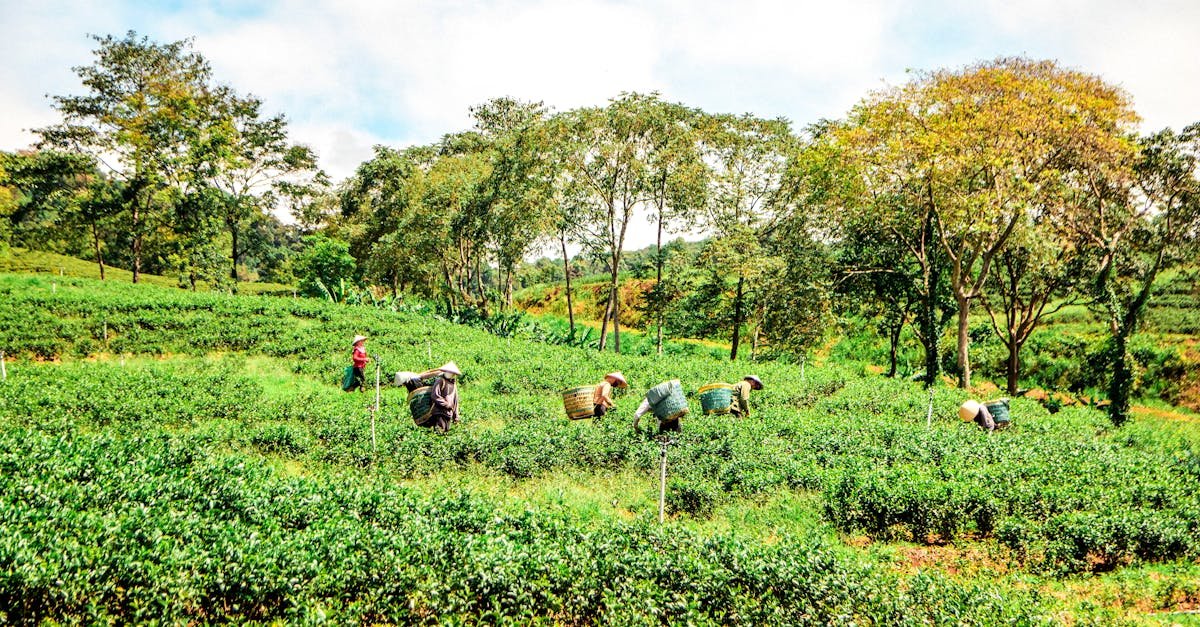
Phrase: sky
(352, 74)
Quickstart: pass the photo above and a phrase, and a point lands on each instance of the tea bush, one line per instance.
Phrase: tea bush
(149, 486)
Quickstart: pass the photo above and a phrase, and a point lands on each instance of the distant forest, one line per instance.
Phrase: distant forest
(1013, 186)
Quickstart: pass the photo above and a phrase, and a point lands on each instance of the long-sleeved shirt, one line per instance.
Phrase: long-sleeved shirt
(603, 395)
(359, 357)
(741, 397)
(444, 396)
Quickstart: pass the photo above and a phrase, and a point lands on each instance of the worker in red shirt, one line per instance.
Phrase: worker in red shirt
(358, 360)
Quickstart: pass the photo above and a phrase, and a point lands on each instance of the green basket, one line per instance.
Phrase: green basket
(673, 406)
(715, 398)
(420, 403)
(999, 412)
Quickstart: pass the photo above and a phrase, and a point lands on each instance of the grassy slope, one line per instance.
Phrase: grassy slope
(36, 261)
(833, 466)
(1168, 348)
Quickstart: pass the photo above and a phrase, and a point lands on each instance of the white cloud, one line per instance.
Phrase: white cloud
(350, 74)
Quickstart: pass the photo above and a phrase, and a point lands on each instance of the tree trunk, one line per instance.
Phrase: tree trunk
(964, 341)
(737, 319)
(1014, 365)
(567, 275)
(96, 246)
(929, 325)
(508, 288)
(660, 305)
(233, 232)
(1120, 388)
(137, 242)
(604, 321)
(893, 341)
(616, 321)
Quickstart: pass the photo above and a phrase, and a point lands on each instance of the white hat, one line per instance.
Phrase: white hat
(403, 377)
(620, 378)
(754, 380)
(968, 410)
(357, 339)
(451, 367)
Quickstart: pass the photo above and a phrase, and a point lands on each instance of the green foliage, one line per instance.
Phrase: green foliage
(176, 472)
(325, 268)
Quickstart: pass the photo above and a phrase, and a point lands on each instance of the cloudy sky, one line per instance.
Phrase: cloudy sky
(350, 74)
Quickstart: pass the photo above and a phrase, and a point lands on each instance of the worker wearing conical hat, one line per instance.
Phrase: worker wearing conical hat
(972, 410)
(654, 396)
(602, 397)
(444, 396)
(740, 408)
(358, 361)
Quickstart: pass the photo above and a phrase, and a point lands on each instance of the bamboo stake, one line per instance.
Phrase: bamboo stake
(662, 485)
(375, 409)
(3, 369)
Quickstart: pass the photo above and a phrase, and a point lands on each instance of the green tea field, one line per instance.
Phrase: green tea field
(189, 458)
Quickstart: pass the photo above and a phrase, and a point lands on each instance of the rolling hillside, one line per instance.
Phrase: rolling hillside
(189, 457)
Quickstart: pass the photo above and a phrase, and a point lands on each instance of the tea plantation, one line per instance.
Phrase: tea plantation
(189, 458)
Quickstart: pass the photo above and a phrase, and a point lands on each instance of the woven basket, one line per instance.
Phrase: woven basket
(420, 403)
(673, 406)
(999, 411)
(715, 398)
(579, 401)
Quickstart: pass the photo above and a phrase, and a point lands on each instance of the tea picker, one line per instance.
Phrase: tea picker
(668, 403)
(990, 416)
(740, 403)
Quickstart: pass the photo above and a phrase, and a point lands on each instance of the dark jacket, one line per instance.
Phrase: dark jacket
(444, 396)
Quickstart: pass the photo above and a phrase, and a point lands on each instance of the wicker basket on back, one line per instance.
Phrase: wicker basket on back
(715, 398)
(667, 401)
(579, 401)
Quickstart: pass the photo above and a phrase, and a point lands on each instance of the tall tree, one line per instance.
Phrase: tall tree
(676, 184)
(518, 195)
(1002, 129)
(143, 106)
(1140, 222)
(248, 159)
(747, 158)
(605, 180)
(975, 151)
(1036, 276)
(878, 175)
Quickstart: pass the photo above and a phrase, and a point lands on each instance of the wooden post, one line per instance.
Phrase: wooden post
(375, 409)
(3, 368)
(106, 330)
(662, 485)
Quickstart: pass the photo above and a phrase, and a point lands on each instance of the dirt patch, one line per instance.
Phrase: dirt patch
(1165, 414)
(858, 542)
(985, 389)
(956, 560)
